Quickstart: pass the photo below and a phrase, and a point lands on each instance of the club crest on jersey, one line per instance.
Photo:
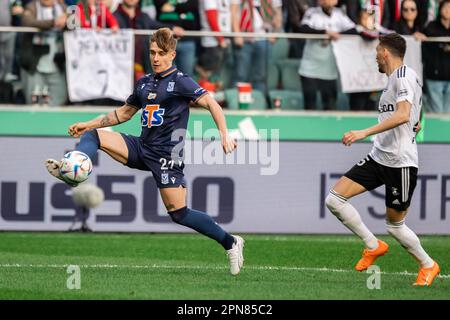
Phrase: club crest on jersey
(170, 86)
(152, 116)
(164, 178)
(151, 96)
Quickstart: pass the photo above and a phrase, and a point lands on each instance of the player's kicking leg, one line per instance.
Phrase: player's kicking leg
(397, 228)
(175, 201)
(337, 203)
(110, 142)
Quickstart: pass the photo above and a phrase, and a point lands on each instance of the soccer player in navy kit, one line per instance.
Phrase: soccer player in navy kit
(164, 97)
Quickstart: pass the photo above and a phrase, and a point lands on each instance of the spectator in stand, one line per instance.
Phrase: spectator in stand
(130, 16)
(363, 101)
(295, 11)
(96, 15)
(148, 6)
(7, 39)
(437, 61)
(184, 14)
(42, 55)
(318, 70)
(214, 16)
(392, 12)
(432, 11)
(251, 56)
(409, 21)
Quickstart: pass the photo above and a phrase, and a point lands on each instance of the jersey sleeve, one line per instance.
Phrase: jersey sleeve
(405, 90)
(133, 99)
(187, 87)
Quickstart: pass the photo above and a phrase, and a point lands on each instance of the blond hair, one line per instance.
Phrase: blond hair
(164, 39)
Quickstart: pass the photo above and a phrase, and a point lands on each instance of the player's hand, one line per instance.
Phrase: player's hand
(353, 136)
(228, 143)
(77, 129)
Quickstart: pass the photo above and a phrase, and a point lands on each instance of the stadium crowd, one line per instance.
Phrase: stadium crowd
(33, 64)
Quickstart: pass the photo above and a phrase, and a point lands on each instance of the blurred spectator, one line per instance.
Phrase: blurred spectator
(392, 12)
(95, 14)
(437, 61)
(130, 16)
(409, 21)
(112, 5)
(42, 56)
(184, 14)
(215, 16)
(251, 56)
(433, 10)
(71, 2)
(7, 39)
(318, 69)
(377, 8)
(148, 7)
(295, 12)
(360, 101)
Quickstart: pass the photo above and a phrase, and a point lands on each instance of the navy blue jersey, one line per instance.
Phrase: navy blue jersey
(164, 99)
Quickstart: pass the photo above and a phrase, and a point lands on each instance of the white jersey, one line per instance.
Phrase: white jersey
(397, 147)
(224, 17)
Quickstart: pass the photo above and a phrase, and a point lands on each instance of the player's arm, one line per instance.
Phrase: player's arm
(115, 117)
(208, 102)
(398, 118)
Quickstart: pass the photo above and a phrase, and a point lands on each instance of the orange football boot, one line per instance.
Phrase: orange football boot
(426, 276)
(369, 256)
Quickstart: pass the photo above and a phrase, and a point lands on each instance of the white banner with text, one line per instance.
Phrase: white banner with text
(99, 64)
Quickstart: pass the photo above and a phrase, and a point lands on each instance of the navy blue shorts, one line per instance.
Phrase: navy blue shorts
(167, 173)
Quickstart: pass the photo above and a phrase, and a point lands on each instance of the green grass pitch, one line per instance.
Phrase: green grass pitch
(33, 265)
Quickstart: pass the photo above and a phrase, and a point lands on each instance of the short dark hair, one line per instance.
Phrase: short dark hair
(164, 39)
(395, 43)
(441, 5)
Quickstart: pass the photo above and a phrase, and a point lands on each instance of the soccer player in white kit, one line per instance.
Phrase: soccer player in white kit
(393, 161)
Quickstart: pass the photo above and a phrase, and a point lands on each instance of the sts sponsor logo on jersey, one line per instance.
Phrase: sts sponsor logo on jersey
(152, 116)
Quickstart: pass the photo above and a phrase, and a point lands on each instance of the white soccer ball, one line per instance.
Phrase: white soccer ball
(88, 195)
(76, 166)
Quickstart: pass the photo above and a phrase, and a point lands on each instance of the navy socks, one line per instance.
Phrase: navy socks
(204, 224)
(89, 143)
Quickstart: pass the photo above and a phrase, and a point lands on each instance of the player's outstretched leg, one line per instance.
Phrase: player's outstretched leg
(350, 217)
(204, 224)
(429, 269)
(89, 144)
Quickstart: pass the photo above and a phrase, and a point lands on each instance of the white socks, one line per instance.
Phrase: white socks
(409, 240)
(348, 215)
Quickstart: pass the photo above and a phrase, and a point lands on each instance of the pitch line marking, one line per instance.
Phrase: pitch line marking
(201, 267)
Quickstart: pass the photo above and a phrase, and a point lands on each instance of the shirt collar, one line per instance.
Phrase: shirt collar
(166, 72)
